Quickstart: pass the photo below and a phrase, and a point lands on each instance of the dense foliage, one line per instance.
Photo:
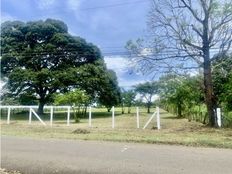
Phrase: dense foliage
(77, 99)
(184, 95)
(180, 93)
(41, 58)
(222, 80)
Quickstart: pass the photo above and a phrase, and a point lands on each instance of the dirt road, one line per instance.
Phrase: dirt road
(32, 156)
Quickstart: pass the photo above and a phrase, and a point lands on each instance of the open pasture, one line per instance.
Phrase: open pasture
(173, 130)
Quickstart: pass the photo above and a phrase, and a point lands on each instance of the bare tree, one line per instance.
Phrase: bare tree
(186, 32)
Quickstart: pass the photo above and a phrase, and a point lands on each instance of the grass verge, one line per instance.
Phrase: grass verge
(174, 131)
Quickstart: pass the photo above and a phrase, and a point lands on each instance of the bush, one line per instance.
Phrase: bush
(227, 119)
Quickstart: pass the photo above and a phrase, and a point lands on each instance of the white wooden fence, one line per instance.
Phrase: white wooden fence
(32, 112)
(157, 114)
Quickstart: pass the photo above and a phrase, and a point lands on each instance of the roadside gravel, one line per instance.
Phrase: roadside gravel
(4, 171)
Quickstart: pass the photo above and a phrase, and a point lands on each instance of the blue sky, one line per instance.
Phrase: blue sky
(109, 24)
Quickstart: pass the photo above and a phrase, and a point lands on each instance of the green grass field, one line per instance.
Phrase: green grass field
(173, 130)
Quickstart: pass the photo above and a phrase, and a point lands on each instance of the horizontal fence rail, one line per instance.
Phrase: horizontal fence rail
(68, 109)
(33, 107)
(9, 107)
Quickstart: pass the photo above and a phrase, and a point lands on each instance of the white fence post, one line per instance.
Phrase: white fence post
(30, 114)
(51, 116)
(137, 116)
(158, 117)
(113, 117)
(90, 117)
(68, 117)
(8, 116)
(219, 121)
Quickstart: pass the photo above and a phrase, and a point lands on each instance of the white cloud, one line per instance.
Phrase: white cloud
(117, 63)
(146, 52)
(6, 17)
(100, 19)
(128, 83)
(194, 73)
(2, 83)
(73, 4)
(74, 7)
(45, 4)
(96, 20)
(140, 97)
(122, 67)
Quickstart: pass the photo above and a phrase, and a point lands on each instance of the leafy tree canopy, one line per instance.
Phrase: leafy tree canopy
(222, 80)
(128, 98)
(41, 58)
(110, 91)
(148, 90)
(75, 99)
(181, 92)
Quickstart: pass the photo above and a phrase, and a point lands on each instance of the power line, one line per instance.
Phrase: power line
(127, 54)
(95, 7)
(115, 5)
(45, 52)
(116, 50)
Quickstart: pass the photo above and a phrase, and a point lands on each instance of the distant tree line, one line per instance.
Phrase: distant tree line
(184, 95)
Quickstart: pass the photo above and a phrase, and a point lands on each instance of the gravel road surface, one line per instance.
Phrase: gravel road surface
(31, 156)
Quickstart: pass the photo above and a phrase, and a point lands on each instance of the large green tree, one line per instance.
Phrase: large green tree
(40, 58)
(100, 83)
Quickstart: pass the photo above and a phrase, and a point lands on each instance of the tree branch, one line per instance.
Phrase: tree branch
(192, 11)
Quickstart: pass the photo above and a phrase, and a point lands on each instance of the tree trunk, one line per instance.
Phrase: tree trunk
(129, 110)
(41, 107)
(75, 114)
(122, 109)
(179, 110)
(209, 100)
(209, 94)
(148, 108)
(85, 111)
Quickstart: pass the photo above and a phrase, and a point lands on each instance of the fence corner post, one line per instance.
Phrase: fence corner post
(30, 114)
(158, 117)
(8, 115)
(68, 117)
(51, 116)
(113, 124)
(90, 117)
(219, 119)
(137, 116)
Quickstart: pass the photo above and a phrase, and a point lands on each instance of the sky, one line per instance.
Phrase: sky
(109, 24)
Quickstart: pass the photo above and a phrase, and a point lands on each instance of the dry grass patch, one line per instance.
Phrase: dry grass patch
(174, 131)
